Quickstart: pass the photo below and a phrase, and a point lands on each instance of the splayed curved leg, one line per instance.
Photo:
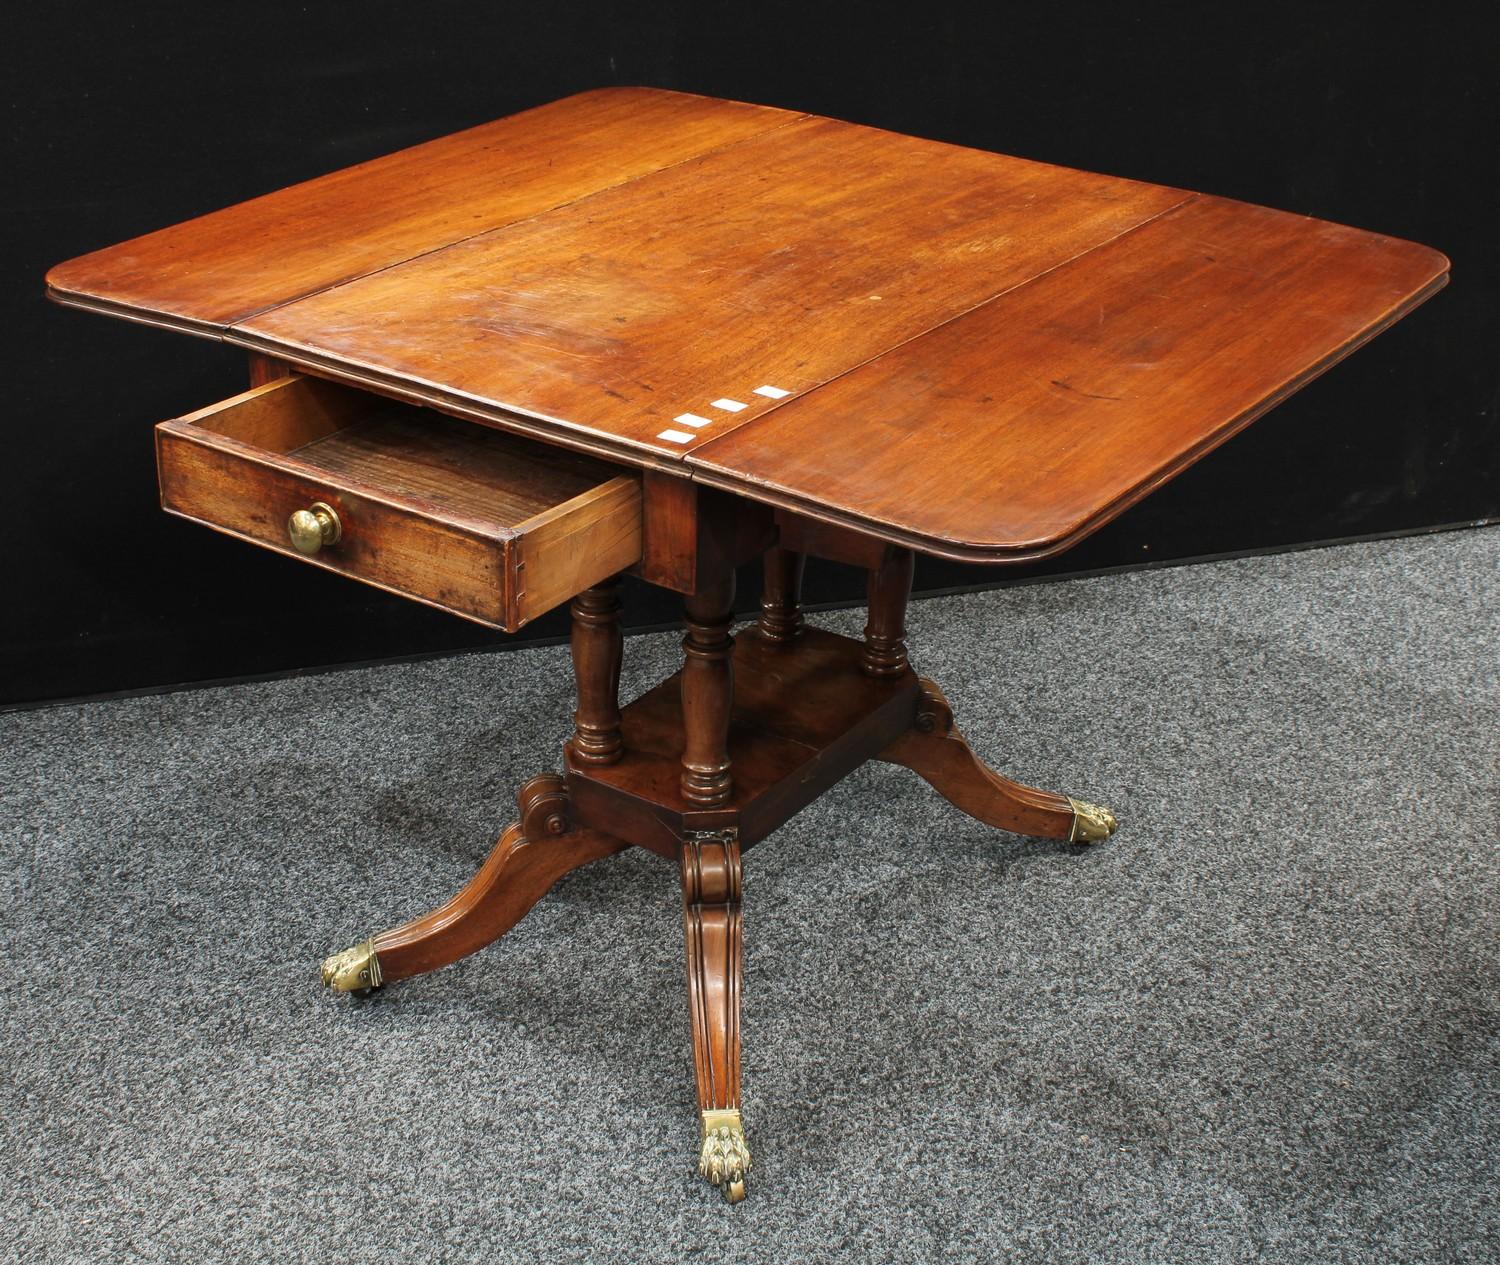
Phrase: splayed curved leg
(937, 752)
(712, 925)
(528, 859)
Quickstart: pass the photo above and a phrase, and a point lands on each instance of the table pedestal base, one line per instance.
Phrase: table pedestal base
(698, 770)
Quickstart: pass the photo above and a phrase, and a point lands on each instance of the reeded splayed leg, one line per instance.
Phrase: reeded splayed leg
(528, 859)
(712, 923)
(935, 750)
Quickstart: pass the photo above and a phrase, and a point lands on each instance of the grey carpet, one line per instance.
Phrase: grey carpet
(1259, 1024)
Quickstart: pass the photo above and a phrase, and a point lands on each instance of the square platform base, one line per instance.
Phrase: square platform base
(804, 716)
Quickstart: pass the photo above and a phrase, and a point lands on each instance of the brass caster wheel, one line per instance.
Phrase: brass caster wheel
(1091, 823)
(355, 970)
(725, 1158)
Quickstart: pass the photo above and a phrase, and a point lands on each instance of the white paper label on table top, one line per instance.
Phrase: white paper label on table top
(772, 393)
(676, 436)
(692, 419)
(730, 406)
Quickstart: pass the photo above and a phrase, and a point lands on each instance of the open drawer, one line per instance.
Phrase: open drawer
(487, 525)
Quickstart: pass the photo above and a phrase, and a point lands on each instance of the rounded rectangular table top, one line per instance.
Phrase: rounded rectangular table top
(979, 356)
(1013, 430)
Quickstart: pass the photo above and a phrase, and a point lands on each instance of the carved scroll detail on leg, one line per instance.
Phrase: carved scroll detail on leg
(712, 926)
(935, 750)
(528, 859)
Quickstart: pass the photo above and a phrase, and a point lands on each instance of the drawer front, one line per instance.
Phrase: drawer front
(391, 547)
(448, 513)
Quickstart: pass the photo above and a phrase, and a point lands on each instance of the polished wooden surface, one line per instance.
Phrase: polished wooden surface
(691, 534)
(708, 693)
(713, 926)
(781, 620)
(597, 647)
(934, 749)
(207, 273)
(264, 369)
(889, 587)
(973, 355)
(1022, 425)
(803, 714)
(807, 711)
(782, 261)
(529, 857)
(493, 527)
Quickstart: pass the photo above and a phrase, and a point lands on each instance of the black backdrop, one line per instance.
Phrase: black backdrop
(127, 117)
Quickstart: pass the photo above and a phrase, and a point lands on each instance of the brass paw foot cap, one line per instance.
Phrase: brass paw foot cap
(725, 1157)
(355, 970)
(1091, 823)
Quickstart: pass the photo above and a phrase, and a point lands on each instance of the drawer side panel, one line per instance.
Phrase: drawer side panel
(575, 545)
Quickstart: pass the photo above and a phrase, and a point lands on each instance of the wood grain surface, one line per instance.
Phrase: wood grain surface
(971, 355)
(597, 645)
(803, 716)
(207, 273)
(780, 262)
(454, 466)
(529, 857)
(1015, 429)
(713, 933)
(489, 526)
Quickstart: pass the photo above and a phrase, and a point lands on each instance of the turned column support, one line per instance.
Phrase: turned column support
(598, 647)
(713, 931)
(707, 693)
(885, 631)
(781, 596)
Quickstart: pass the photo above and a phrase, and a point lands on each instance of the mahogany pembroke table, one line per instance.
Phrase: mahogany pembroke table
(640, 331)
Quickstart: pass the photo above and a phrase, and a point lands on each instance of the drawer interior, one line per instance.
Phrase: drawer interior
(408, 453)
(488, 525)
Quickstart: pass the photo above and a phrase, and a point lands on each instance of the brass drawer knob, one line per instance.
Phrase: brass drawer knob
(312, 528)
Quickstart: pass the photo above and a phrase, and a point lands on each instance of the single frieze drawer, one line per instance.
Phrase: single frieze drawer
(461, 516)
